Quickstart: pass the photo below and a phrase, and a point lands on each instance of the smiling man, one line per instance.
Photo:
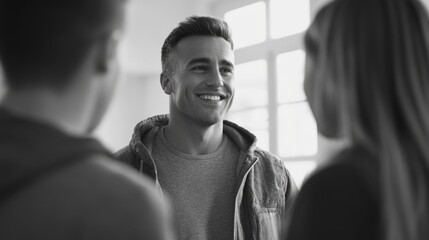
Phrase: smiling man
(221, 185)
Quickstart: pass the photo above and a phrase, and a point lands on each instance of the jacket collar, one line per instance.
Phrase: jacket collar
(145, 132)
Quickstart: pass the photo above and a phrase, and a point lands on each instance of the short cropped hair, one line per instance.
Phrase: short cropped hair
(44, 41)
(194, 26)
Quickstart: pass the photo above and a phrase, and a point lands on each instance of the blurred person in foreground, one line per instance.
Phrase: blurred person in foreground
(221, 184)
(56, 182)
(367, 82)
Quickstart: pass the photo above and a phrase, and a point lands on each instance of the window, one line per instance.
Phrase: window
(269, 99)
(289, 17)
(296, 125)
(250, 107)
(248, 30)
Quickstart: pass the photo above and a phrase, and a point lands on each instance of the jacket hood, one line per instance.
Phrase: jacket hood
(29, 149)
(145, 131)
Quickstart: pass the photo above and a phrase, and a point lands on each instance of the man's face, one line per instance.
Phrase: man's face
(201, 79)
(110, 75)
(106, 88)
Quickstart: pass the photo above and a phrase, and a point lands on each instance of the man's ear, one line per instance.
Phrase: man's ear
(105, 51)
(166, 83)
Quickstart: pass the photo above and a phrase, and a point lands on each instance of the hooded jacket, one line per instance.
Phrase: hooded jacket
(56, 186)
(264, 188)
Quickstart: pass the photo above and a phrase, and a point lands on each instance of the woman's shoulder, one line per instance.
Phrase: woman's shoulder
(353, 168)
(339, 200)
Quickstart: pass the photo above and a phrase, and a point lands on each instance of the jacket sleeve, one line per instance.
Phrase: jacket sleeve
(291, 192)
(290, 197)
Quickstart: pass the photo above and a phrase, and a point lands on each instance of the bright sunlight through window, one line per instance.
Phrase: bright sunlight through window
(290, 76)
(251, 99)
(248, 24)
(297, 131)
(289, 17)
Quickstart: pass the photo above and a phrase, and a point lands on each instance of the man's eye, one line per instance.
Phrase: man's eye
(200, 68)
(228, 71)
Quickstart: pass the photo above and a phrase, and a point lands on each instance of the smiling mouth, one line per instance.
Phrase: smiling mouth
(211, 97)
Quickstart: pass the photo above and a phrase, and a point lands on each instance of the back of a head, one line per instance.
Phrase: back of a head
(369, 75)
(43, 42)
(194, 26)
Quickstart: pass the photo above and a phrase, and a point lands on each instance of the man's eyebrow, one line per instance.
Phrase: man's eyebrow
(227, 63)
(198, 60)
(207, 60)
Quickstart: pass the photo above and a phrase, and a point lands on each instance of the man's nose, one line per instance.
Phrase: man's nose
(215, 79)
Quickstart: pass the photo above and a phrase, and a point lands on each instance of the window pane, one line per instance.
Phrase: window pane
(300, 170)
(289, 17)
(290, 76)
(255, 121)
(250, 85)
(248, 24)
(297, 130)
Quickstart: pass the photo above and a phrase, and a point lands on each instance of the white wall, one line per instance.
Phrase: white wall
(148, 24)
(138, 96)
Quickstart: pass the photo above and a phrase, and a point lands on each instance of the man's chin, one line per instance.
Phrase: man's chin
(212, 119)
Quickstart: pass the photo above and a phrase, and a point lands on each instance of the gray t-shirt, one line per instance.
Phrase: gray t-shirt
(201, 188)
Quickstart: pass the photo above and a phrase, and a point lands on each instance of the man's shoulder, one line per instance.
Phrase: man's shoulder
(107, 199)
(271, 165)
(122, 193)
(127, 155)
(124, 154)
(144, 133)
(130, 198)
(268, 159)
(106, 174)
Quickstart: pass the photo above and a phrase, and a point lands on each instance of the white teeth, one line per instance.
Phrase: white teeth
(210, 97)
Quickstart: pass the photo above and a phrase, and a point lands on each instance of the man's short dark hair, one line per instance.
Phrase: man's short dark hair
(195, 26)
(46, 40)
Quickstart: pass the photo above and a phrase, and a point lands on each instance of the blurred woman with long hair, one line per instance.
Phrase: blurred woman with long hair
(367, 83)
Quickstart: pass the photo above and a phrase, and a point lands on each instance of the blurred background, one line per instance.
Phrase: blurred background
(269, 99)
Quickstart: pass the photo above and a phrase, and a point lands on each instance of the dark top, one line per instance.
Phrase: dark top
(340, 201)
(57, 186)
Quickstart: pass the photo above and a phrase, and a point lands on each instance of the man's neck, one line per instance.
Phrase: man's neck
(193, 138)
(45, 106)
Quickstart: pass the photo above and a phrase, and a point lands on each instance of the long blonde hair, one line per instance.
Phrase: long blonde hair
(369, 83)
